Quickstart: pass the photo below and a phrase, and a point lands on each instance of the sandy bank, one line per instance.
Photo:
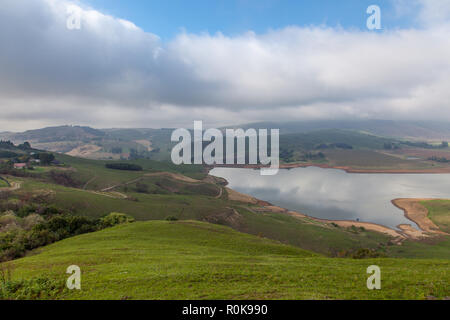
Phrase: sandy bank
(417, 213)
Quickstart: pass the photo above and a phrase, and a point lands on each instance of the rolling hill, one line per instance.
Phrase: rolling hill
(187, 242)
(405, 130)
(115, 144)
(106, 144)
(161, 190)
(194, 260)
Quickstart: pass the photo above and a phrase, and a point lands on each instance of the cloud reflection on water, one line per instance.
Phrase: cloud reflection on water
(338, 195)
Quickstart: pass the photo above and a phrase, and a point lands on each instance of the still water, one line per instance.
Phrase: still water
(338, 195)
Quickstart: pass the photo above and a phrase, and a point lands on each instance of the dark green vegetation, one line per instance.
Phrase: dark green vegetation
(37, 226)
(193, 260)
(3, 183)
(123, 166)
(439, 159)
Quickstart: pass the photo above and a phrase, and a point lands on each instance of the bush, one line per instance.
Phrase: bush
(124, 166)
(37, 288)
(46, 158)
(362, 253)
(172, 218)
(115, 218)
(64, 178)
(9, 221)
(8, 154)
(141, 187)
(38, 226)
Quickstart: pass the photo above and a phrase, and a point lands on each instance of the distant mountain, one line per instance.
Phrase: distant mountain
(408, 130)
(92, 143)
(54, 134)
(122, 143)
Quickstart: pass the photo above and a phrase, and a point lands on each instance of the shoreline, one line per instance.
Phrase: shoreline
(412, 209)
(288, 166)
(418, 213)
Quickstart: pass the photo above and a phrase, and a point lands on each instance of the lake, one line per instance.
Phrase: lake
(337, 195)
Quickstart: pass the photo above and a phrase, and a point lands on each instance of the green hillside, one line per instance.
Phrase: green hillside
(158, 197)
(416, 130)
(304, 233)
(312, 140)
(193, 260)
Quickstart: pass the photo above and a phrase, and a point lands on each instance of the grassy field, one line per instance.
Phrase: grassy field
(439, 213)
(95, 176)
(193, 260)
(304, 233)
(210, 258)
(3, 184)
(369, 159)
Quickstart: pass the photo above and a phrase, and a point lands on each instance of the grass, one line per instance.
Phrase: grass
(154, 259)
(303, 233)
(439, 213)
(194, 260)
(99, 177)
(3, 183)
(369, 159)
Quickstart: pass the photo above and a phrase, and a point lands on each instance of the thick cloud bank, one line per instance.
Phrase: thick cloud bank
(112, 73)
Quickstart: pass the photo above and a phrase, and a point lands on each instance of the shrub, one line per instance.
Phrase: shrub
(44, 225)
(9, 220)
(64, 178)
(172, 218)
(115, 218)
(8, 154)
(362, 253)
(124, 166)
(33, 289)
(141, 187)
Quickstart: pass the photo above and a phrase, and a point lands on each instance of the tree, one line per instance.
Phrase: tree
(444, 144)
(46, 158)
(25, 146)
(141, 187)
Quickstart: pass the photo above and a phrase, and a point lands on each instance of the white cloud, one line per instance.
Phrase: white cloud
(112, 73)
(427, 12)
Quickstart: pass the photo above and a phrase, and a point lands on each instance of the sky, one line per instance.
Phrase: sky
(167, 63)
(232, 17)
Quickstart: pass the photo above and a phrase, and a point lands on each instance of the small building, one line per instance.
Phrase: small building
(20, 166)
